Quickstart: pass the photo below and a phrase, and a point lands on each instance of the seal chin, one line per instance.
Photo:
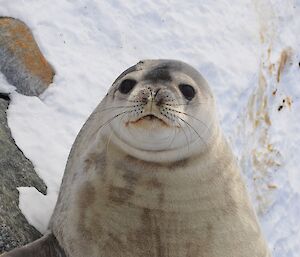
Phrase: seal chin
(153, 149)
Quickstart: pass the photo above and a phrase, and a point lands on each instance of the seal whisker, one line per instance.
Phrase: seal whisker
(192, 129)
(118, 107)
(180, 126)
(175, 129)
(111, 119)
(186, 137)
(203, 123)
(109, 138)
(108, 141)
(184, 104)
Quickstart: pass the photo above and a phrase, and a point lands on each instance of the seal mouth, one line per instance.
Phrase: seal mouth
(149, 118)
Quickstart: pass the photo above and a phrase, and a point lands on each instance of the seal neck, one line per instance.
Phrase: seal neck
(171, 186)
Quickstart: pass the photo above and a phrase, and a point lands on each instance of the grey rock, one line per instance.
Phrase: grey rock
(15, 171)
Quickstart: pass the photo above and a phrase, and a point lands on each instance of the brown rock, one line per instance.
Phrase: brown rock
(21, 60)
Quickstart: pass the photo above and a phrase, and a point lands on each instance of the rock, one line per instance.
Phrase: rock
(21, 60)
(24, 66)
(15, 171)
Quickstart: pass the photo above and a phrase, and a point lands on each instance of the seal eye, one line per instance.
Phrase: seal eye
(188, 91)
(127, 85)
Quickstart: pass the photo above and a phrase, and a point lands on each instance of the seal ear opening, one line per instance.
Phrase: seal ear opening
(46, 246)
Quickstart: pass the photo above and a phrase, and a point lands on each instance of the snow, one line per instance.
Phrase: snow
(237, 46)
(5, 87)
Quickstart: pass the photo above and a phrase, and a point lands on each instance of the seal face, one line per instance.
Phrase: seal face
(151, 175)
(162, 106)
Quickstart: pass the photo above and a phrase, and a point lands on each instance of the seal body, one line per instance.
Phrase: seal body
(136, 208)
(137, 185)
(151, 175)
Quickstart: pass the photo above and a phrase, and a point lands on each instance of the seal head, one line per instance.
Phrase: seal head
(161, 110)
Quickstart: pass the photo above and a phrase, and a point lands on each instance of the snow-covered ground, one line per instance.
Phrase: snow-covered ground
(248, 50)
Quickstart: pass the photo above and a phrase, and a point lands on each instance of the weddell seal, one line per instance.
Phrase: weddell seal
(151, 175)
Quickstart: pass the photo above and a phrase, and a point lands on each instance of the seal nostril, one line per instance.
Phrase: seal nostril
(160, 102)
(145, 99)
(156, 92)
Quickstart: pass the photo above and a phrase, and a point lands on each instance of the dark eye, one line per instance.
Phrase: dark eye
(127, 85)
(188, 91)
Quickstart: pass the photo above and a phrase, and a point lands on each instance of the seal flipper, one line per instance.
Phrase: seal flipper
(46, 246)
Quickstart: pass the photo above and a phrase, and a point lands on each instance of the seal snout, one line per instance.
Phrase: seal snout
(156, 96)
(153, 99)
